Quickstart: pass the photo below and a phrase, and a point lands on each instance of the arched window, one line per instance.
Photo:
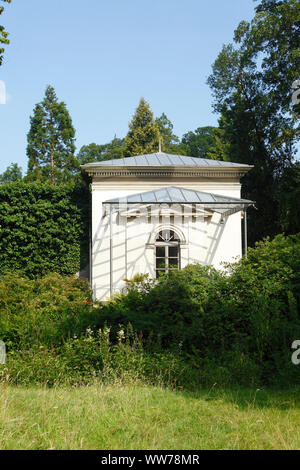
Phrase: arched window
(167, 252)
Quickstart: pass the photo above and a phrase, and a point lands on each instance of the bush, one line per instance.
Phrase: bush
(43, 228)
(250, 312)
(44, 311)
(175, 307)
(191, 327)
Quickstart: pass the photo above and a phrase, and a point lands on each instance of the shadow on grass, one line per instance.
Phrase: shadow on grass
(248, 398)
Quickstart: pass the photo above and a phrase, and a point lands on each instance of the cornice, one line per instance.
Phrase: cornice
(167, 172)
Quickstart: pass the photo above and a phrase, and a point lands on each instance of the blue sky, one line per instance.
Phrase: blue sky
(102, 56)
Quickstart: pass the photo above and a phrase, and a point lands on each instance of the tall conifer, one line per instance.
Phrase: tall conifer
(143, 132)
(51, 140)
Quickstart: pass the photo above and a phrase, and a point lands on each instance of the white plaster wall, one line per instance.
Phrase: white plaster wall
(208, 242)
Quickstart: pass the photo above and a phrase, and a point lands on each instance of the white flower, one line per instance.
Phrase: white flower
(106, 331)
(89, 332)
(121, 335)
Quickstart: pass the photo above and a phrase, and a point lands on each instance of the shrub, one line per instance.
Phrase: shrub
(174, 308)
(250, 312)
(44, 311)
(192, 326)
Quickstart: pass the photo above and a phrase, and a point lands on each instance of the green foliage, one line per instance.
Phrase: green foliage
(12, 174)
(38, 366)
(91, 153)
(44, 311)
(92, 355)
(253, 313)
(44, 228)
(3, 34)
(143, 132)
(273, 36)
(192, 327)
(97, 153)
(166, 133)
(51, 141)
(199, 142)
(289, 199)
(251, 84)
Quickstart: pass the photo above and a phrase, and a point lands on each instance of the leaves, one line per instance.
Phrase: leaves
(12, 173)
(199, 142)
(143, 134)
(43, 228)
(51, 140)
(251, 84)
(166, 132)
(3, 34)
(97, 153)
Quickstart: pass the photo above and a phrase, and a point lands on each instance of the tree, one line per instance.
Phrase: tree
(3, 34)
(273, 36)
(115, 149)
(289, 199)
(97, 153)
(12, 174)
(257, 123)
(51, 141)
(143, 132)
(199, 142)
(165, 127)
(91, 153)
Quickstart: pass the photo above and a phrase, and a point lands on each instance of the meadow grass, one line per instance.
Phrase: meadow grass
(144, 417)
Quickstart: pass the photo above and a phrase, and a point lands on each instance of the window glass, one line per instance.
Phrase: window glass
(173, 251)
(167, 252)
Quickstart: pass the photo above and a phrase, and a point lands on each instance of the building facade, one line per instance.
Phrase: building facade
(158, 212)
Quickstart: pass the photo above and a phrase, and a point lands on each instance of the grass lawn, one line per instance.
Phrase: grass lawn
(142, 417)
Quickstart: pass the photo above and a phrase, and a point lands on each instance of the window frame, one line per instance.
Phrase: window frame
(167, 245)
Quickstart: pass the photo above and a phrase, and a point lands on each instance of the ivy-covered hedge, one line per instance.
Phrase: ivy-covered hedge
(43, 228)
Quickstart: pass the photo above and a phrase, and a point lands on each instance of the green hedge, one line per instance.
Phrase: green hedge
(43, 228)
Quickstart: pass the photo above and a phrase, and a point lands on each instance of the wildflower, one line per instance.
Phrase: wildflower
(100, 331)
(106, 331)
(89, 332)
(121, 335)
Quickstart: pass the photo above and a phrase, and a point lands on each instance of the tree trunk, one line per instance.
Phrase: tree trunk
(52, 167)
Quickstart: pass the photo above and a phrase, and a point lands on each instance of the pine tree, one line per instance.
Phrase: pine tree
(51, 139)
(169, 140)
(143, 135)
(12, 174)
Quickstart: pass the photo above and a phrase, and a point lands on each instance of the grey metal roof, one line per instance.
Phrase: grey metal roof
(163, 159)
(174, 194)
